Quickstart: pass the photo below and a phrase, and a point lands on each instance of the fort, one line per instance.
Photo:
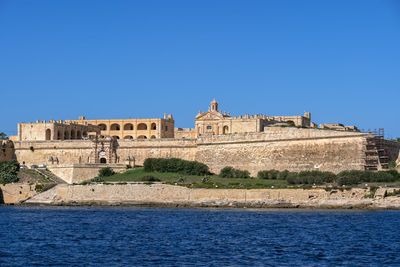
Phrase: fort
(250, 142)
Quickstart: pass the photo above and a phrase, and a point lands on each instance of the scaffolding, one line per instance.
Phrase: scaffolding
(376, 154)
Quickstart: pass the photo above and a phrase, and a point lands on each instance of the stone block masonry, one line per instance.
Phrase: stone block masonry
(278, 148)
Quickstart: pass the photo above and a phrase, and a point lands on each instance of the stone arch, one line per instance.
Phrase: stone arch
(141, 126)
(225, 130)
(78, 135)
(103, 160)
(66, 135)
(48, 134)
(115, 127)
(128, 137)
(153, 126)
(59, 135)
(73, 134)
(84, 134)
(103, 127)
(153, 137)
(291, 123)
(128, 127)
(142, 137)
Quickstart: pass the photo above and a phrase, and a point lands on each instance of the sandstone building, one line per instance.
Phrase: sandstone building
(251, 142)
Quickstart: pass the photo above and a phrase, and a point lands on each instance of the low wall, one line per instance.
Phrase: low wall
(15, 193)
(77, 173)
(170, 195)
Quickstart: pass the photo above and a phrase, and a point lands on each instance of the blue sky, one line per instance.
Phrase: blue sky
(339, 60)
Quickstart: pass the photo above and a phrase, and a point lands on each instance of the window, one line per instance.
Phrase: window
(209, 127)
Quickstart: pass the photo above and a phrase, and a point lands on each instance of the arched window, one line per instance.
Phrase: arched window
(128, 127)
(142, 137)
(115, 127)
(103, 127)
(225, 130)
(153, 137)
(48, 134)
(128, 137)
(153, 126)
(103, 160)
(142, 126)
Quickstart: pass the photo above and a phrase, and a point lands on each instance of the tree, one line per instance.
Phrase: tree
(3, 136)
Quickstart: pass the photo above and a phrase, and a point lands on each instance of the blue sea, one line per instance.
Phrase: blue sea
(142, 236)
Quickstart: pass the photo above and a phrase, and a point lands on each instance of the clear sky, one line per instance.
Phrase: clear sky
(339, 60)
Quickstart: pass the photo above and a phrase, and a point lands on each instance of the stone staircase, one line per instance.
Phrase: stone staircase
(49, 175)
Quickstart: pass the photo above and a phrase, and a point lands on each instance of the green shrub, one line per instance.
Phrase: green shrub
(9, 172)
(356, 177)
(283, 175)
(394, 173)
(175, 165)
(392, 165)
(38, 188)
(270, 174)
(227, 172)
(105, 172)
(291, 178)
(230, 172)
(98, 179)
(149, 178)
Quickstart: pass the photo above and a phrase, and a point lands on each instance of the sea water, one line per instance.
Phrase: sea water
(141, 236)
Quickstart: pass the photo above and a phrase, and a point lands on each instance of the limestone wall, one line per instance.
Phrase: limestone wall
(159, 148)
(77, 173)
(67, 151)
(15, 193)
(6, 150)
(284, 148)
(276, 148)
(81, 151)
(168, 194)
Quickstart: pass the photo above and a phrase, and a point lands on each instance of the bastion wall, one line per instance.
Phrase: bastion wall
(284, 149)
(281, 148)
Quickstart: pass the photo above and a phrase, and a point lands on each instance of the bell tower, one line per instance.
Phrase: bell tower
(214, 106)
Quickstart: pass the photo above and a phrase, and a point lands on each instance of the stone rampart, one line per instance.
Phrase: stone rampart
(278, 148)
(284, 148)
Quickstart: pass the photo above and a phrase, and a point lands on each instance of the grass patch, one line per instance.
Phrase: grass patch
(195, 181)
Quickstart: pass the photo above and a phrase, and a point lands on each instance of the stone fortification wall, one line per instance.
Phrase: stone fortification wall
(158, 148)
(15, 193)
(6, 150)
(276, 148)
(161, 194)
(81, 151)
(67, 151)
(77, 173)
(284, 148)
